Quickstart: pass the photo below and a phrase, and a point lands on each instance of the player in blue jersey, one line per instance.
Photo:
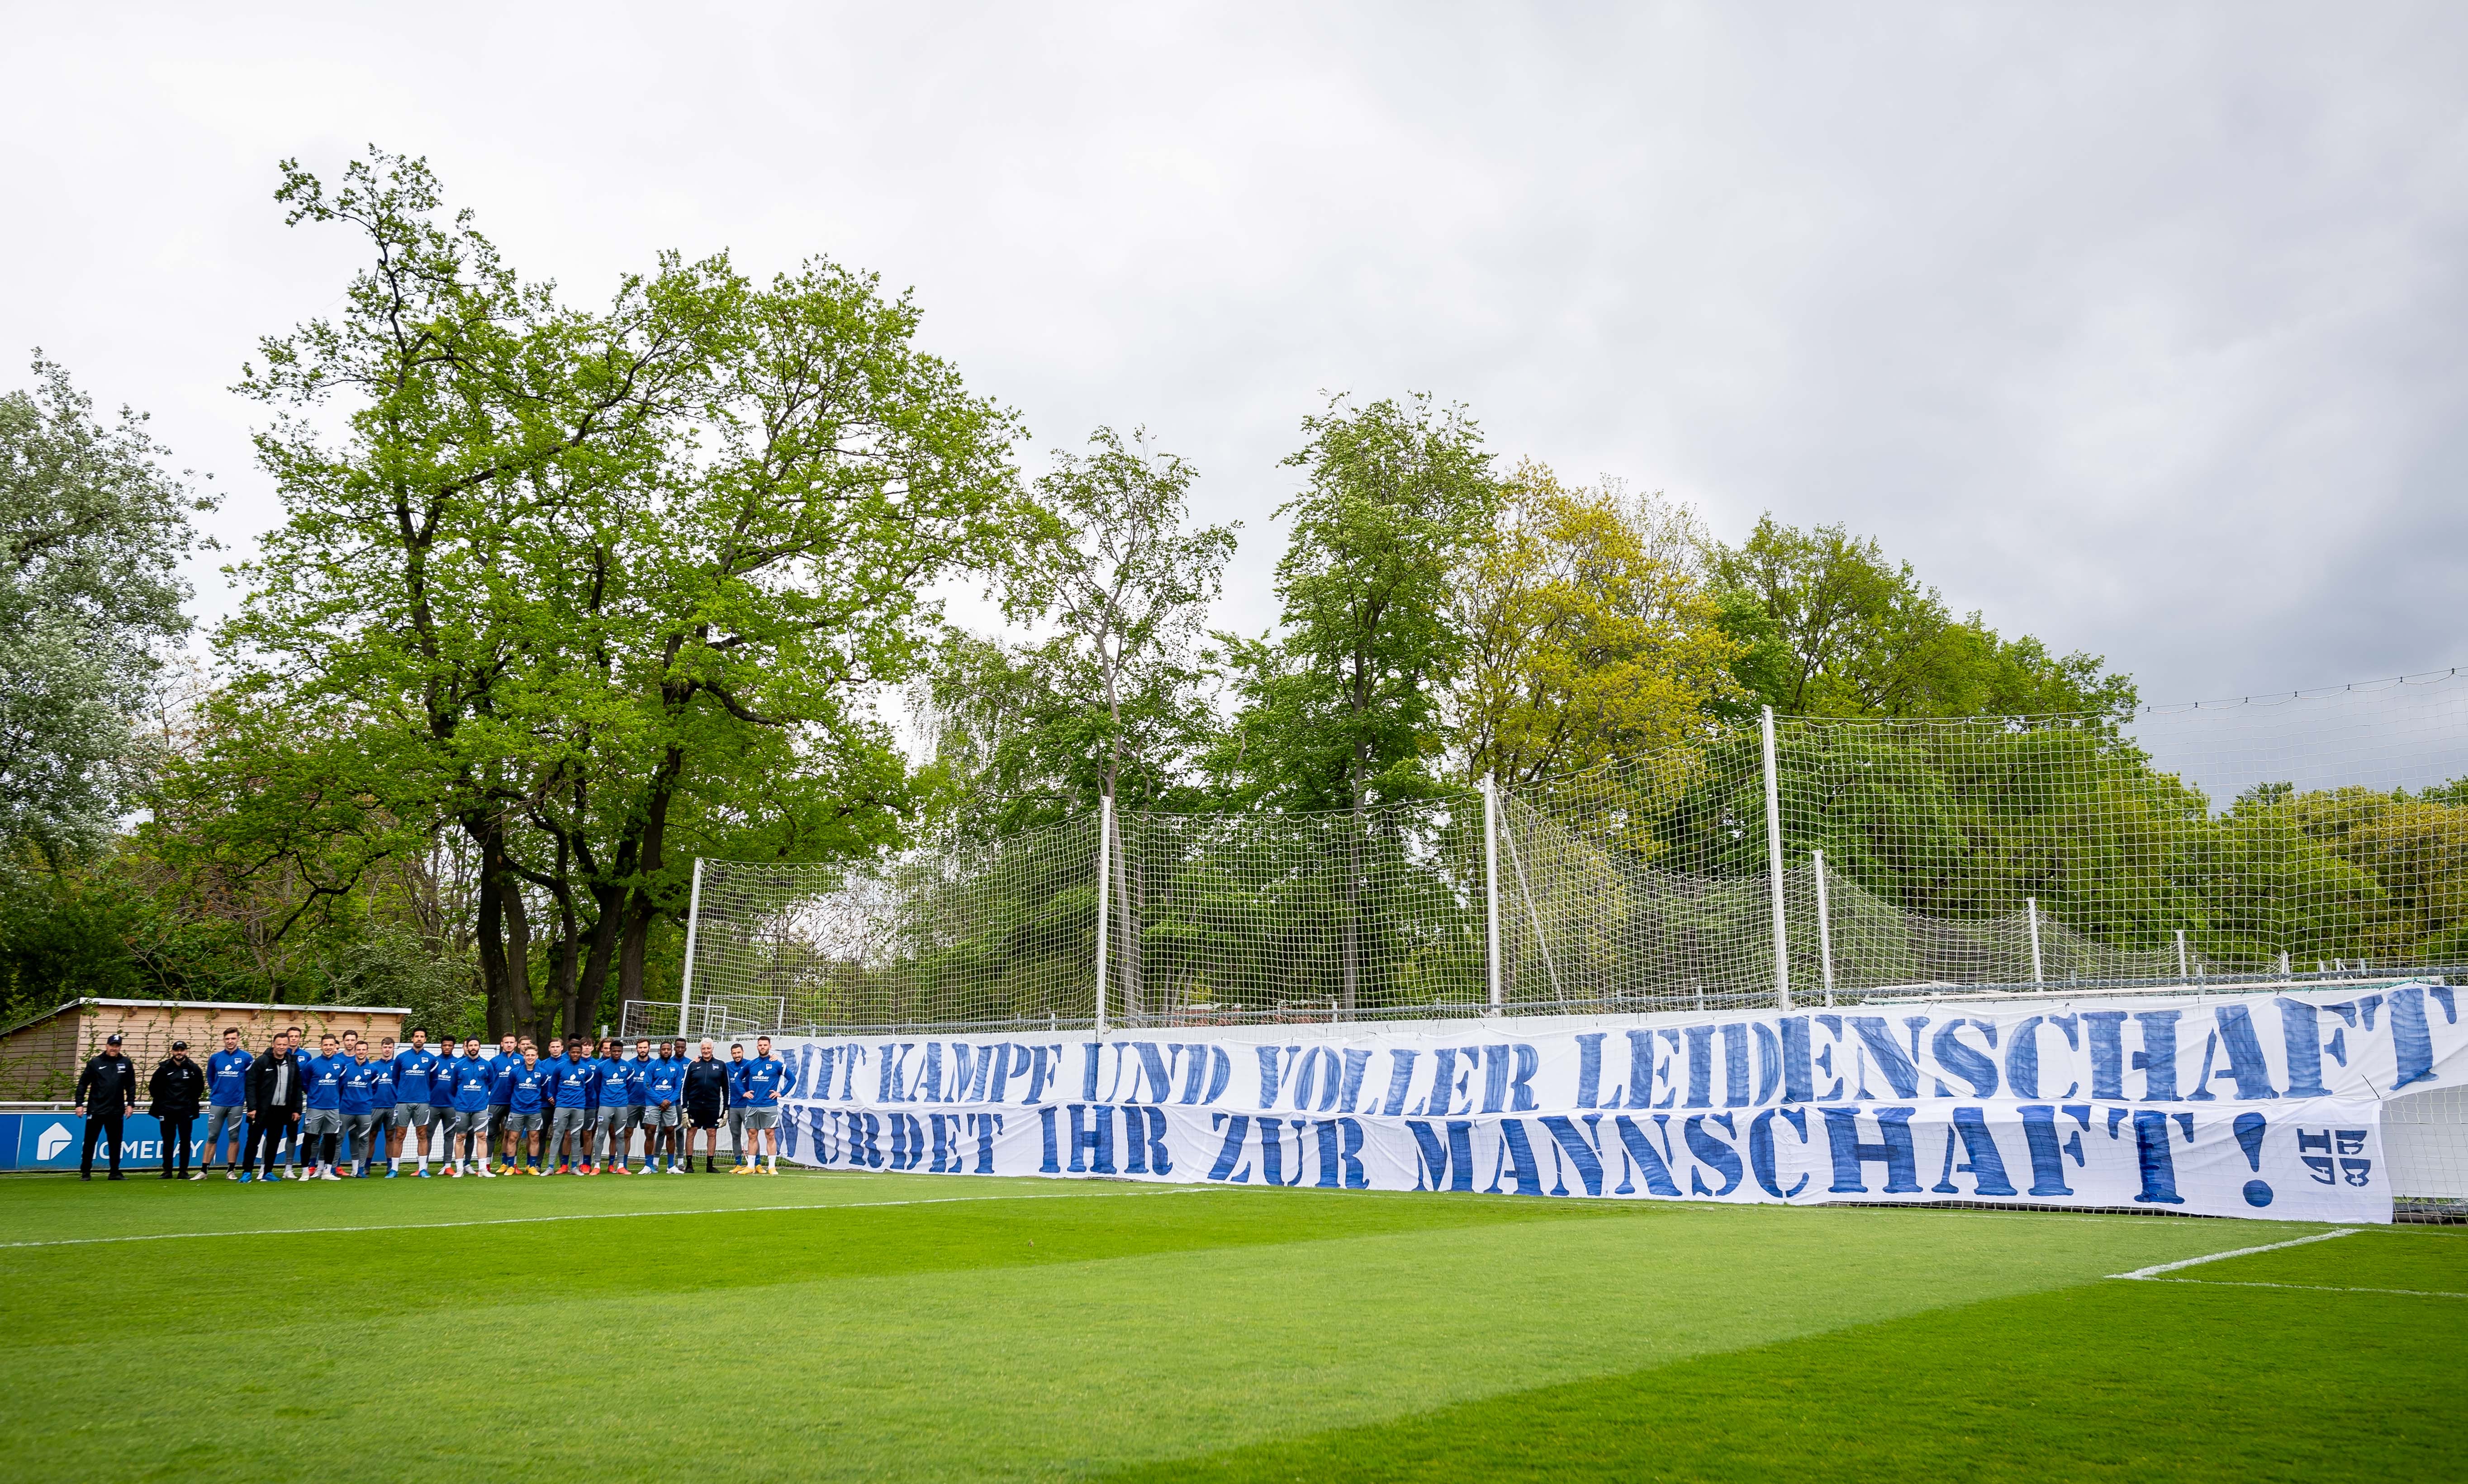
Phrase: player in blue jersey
(381, 1101)
(528, 1090)
(321, 1123)
(301, 1056)
(761, 1084)
(663, 1086)
(501, 1094)
(415, 1068)
(573, 1074)
(737, 1107)
(618, 1108)
(637, 1097)
(360, 1104)
(469, 1096)
(227, 1102)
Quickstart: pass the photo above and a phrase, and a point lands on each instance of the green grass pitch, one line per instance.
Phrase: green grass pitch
(901, 1327)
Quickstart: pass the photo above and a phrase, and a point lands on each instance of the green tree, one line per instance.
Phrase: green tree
(1591, 635)
(92, 531)
(1344, 709)
(603, 590)
(1828, 627)
(1114, 706)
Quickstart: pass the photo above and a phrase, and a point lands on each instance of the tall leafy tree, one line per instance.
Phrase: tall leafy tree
(1590, 632)
(92, 531)
(726, 620)
(1829, 627)
(581, 583)
(1114, 704)
(1345, 708)
(417, 434)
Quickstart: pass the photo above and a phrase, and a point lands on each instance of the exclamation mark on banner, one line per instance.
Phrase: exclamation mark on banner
(2249, 1128)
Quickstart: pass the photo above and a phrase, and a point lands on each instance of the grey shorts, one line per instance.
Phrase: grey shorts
(359, 1126)
(406, 1115)
(570, 1120)
(217, 1119)
(629, 1117)
(660, 1117)
(522, 1123)
(762, 1118)
(474, 1121)
(320, 1120)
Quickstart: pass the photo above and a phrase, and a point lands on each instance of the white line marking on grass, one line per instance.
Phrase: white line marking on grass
(590, 1216)
(2157, 1268)
(2309, 1287)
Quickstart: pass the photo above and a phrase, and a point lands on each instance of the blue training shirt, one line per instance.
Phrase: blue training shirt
(357, 1099)
(763, 1077)
(382, 1086)
(574, 1082)
(325, 1079)
(635, 1072)
(413, 1069)
(663, 1078)
(616, 1082)
(227, 1079)
(501, 1078)
(471, 1087)
(529, 1088)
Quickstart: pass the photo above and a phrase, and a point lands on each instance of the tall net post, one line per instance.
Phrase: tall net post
(694, 919)
(1774, 864)
(1491, 889)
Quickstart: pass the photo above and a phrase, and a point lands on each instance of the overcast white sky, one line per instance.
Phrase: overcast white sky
(2140, 327)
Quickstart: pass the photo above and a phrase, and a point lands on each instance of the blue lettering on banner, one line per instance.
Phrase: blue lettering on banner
(1341, 1153)
(1238, 1129)
(1973, 1066)
(1585, 1151)
(1437, 1159)
(1761, 1149)
(1653, 1164)
(1711, 1153)
(1711, 1108)
(1852, 1155)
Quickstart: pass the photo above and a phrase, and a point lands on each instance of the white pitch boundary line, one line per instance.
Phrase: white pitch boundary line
(2157, 1268)
(590, 1216)
(2309, 1287)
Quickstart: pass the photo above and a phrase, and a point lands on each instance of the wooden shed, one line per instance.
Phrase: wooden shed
(39, 1058)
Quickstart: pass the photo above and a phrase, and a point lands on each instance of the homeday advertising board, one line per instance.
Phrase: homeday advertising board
(2265, 1104)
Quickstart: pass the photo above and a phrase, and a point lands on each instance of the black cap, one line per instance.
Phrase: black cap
(112, 1040)
(179, 1045)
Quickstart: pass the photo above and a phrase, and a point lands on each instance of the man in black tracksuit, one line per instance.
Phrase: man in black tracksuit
(276, 1095)
(106, 1090)
(705, 1099)
(178, 1086)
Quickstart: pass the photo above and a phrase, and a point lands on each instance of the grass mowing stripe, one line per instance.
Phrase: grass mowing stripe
(2168, 1380)
(2309, 1287)
(48, 1295)
(2157, 1268)
(583, 1215)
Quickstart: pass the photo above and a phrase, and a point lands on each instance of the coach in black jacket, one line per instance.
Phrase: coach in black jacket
(275, 1097)
(178, 1086)
(706, 1098)
(105, 1092)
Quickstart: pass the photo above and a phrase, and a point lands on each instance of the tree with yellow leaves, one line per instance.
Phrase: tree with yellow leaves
(1592, 633)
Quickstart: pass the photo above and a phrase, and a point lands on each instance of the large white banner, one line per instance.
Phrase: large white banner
(2264, 1104)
